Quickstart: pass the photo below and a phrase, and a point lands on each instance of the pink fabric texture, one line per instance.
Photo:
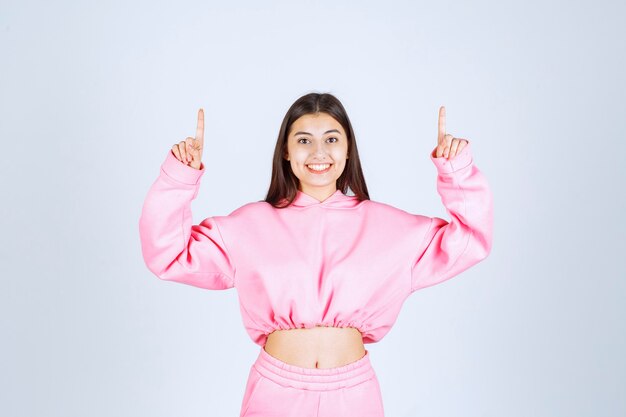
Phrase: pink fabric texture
(278, 389)
(339, 262)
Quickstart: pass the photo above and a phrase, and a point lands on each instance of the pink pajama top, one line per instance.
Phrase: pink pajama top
(339, 262)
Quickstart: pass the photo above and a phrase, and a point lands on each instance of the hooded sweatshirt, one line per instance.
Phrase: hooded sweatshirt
(340, 262)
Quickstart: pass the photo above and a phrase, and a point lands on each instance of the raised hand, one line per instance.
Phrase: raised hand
(189, 151)
(447, 145)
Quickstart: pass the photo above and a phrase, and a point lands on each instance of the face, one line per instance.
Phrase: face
(317, 149)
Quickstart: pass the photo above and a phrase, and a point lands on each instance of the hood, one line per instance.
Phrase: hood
(335, 200)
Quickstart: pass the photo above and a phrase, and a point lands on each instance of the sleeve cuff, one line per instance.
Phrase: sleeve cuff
(458, 162)
(180, 172)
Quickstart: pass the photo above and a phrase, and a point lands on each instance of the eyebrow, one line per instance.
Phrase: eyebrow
(307, 133)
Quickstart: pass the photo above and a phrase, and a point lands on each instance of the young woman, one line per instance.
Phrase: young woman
(319, 273)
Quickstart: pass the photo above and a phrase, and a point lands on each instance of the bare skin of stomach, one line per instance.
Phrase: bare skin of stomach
(317, 347)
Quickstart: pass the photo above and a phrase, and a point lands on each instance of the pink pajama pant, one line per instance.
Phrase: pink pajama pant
(279, 389)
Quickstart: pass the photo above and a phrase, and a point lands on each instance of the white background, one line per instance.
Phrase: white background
(93, 95)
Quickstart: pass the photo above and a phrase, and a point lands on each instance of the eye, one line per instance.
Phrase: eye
(333, 138)
(301, 139)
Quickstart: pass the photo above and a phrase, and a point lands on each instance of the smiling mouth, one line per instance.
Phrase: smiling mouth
(318, 168)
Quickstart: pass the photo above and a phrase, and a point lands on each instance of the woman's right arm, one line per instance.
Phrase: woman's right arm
(173, 248)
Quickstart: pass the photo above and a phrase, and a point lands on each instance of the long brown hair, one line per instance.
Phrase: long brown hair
(284, 183)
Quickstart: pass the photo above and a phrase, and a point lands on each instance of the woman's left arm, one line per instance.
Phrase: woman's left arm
(449, 248)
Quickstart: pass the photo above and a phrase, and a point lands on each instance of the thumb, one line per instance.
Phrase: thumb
(193, 150)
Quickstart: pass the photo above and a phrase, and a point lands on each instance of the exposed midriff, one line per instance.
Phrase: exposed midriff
(316, 347)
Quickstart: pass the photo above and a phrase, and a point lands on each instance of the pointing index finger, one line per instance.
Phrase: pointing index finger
(200, 128)
(442, 123)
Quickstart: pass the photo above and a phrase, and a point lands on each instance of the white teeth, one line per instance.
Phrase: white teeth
(319, 167)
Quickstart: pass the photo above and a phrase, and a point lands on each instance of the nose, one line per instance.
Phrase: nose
(320, 151)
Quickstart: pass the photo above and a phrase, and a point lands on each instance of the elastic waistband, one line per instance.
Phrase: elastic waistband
(318, 379)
